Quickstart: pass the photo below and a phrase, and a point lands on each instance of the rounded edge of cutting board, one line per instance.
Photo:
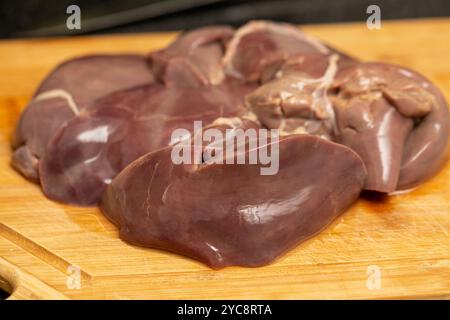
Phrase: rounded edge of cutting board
(23, 286)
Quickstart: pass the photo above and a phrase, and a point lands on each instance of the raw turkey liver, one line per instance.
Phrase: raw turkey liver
(100, 128)
(228, 215)
(64, 94)
(91, 149)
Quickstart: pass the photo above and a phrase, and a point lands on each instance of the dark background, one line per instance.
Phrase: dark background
(38, 18)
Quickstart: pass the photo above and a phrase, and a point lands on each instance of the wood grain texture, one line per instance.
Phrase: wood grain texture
(406, 236)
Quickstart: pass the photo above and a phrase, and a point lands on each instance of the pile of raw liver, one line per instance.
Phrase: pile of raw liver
(98, 131)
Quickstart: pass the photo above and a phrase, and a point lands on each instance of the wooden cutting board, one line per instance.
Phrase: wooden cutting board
(398, 247)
